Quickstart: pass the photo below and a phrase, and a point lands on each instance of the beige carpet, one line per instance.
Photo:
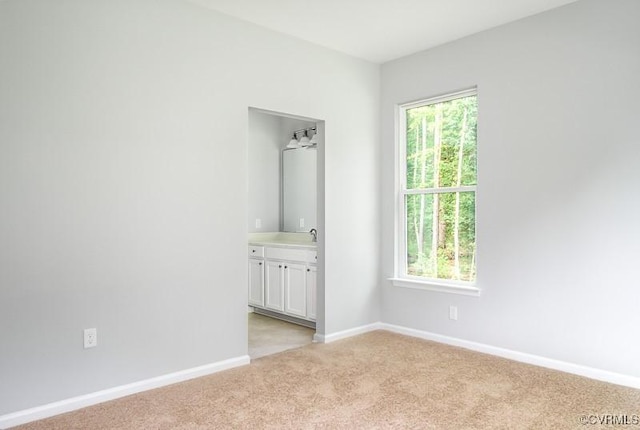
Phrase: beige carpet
(373, 381)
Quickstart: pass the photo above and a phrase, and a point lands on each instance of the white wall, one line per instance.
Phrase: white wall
(264, 147)
(559, 150)
(123, 178)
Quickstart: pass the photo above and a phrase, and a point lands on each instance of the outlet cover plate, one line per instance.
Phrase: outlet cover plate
(90, 338)
(453, 313)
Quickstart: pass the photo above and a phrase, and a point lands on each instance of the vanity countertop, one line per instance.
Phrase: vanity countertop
(283, 240)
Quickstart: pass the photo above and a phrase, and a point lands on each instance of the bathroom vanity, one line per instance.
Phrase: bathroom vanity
(282, 276)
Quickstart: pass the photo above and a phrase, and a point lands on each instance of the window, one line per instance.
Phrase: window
(436, 210)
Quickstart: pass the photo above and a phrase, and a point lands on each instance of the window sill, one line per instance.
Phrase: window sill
(430, 285)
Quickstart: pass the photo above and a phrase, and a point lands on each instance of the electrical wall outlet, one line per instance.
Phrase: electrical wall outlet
(90, 338)
(258, 223)
(301, 222)
(453, 313)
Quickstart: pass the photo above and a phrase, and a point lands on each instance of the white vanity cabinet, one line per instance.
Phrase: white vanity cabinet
(295, 290)
(288, 280)
(256, 276)
(274, 285)
(311, 277)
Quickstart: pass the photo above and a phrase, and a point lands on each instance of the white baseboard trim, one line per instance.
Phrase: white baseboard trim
(550, 363)
(328, 338)
(68, 405)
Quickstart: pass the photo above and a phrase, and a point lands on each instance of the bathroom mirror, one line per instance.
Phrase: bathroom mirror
(299, 183)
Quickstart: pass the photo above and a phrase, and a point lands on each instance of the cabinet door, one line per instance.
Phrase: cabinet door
(295, 291)
(311, 275)
(256, 282)
(274, 285)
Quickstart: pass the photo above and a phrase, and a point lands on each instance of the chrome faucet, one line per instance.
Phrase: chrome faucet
(313, 232)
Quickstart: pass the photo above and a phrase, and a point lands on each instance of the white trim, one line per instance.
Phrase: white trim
(398, 165)
(536, 360)
(435, 285)
(328, 338)
(473, 91)
(399, 235)
(56, 408)
(440, 190)
(74, 403)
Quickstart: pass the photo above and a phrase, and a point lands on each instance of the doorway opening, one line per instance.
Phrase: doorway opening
(285, 223)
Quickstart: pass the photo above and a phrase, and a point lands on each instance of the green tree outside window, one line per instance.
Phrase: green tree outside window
(440, 189)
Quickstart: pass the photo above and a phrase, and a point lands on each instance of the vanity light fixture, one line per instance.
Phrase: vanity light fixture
(304, 141)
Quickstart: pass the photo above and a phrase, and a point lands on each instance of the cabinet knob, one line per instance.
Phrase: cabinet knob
(260, 264)
(285, 267)
(308, 270)
(279, 266)
(253, 250)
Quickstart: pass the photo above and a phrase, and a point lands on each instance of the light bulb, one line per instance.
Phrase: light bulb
(293, 143)
(304, 140)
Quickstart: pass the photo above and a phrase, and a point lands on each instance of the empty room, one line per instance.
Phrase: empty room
(342, 214)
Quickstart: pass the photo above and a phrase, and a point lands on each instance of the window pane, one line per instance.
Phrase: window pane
(441, 235)
(441, 144)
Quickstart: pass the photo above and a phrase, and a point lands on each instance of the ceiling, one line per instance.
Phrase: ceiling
(380, 30)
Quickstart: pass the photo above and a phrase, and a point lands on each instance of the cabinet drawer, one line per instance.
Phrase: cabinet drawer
(256, 251)
(289, 254)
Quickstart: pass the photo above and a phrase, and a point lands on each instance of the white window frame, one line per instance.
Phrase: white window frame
(401, 278)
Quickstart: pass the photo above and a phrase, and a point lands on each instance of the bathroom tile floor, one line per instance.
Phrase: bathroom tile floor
(269, 335)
